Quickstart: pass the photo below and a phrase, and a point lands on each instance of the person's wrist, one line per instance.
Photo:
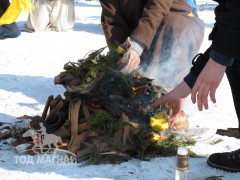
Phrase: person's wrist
(221, 59)
(138, 47)
(217, 64)
(183, 89)
(134, 52)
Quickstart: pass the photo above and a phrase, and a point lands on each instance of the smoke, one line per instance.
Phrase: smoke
(176, 53)
(168, 74)
(170, 71)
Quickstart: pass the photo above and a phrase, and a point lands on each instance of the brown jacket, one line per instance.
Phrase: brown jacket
(139, 19)
(170, 35)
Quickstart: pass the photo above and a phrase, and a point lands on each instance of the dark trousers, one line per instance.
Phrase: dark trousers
(3, 6)
(233, 75)
(7, 30)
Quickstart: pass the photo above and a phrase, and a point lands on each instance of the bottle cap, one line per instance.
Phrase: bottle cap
(182, 151)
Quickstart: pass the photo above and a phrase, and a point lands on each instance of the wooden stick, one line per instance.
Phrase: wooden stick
(124, 118)
(75, 143)
(53, 115)
(73, 116)
(44, 114)
(83, 127)
(53, 103)
(85, 110)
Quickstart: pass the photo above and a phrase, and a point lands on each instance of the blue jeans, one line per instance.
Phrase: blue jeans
(7, 30)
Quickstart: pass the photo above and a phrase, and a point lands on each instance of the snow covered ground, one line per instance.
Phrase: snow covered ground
(28, 65)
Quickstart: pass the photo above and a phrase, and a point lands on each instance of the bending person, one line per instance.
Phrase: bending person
(57, 15)
(165, 34)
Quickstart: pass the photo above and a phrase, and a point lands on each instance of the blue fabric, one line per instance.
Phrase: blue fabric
(191, 3)
(221, 59)
(9, 31)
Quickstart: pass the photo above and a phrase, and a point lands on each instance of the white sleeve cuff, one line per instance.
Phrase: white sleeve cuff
(138, 47)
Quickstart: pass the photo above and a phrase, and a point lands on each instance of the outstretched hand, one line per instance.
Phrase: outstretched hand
(134, 61)
(207, 84)
(176, 100)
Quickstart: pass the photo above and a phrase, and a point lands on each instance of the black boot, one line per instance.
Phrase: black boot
(228, 161)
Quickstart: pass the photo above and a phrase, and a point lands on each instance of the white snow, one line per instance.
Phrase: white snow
(28, 65)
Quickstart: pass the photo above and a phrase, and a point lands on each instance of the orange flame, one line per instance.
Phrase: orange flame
(63, 144)
(157, 138)
(139, 87)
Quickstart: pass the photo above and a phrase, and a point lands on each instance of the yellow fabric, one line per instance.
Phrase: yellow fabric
(14, 10)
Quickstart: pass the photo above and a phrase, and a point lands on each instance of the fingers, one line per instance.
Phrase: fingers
(159, 101)
(125, 70)
(201, 95)
(132, 64)
(194, 94)
(134, 61)
(205, 93)
(199, 98)
(128, 68)
(171, 125)
(170, 112)
(212, 95)
(207, 83)
(172, 121)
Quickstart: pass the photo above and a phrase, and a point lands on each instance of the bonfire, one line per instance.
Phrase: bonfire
(105, 115)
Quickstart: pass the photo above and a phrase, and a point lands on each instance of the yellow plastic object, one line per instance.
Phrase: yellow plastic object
(159, 122)
(14, 10)
(191, 14)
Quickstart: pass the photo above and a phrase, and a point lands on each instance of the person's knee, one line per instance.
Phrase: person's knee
(9, 31)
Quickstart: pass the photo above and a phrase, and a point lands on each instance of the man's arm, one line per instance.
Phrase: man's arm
(114, 25)
(207, 72)
(153, 13)
(206, 75)
(150, 18)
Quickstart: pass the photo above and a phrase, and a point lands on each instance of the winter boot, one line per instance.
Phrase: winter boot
(228, 161)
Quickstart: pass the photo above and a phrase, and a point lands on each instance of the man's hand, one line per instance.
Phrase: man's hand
(175, 99)
(134, 61)
(207, 84)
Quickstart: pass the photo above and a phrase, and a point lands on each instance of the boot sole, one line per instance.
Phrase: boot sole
(222, 167)
(229, 133)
